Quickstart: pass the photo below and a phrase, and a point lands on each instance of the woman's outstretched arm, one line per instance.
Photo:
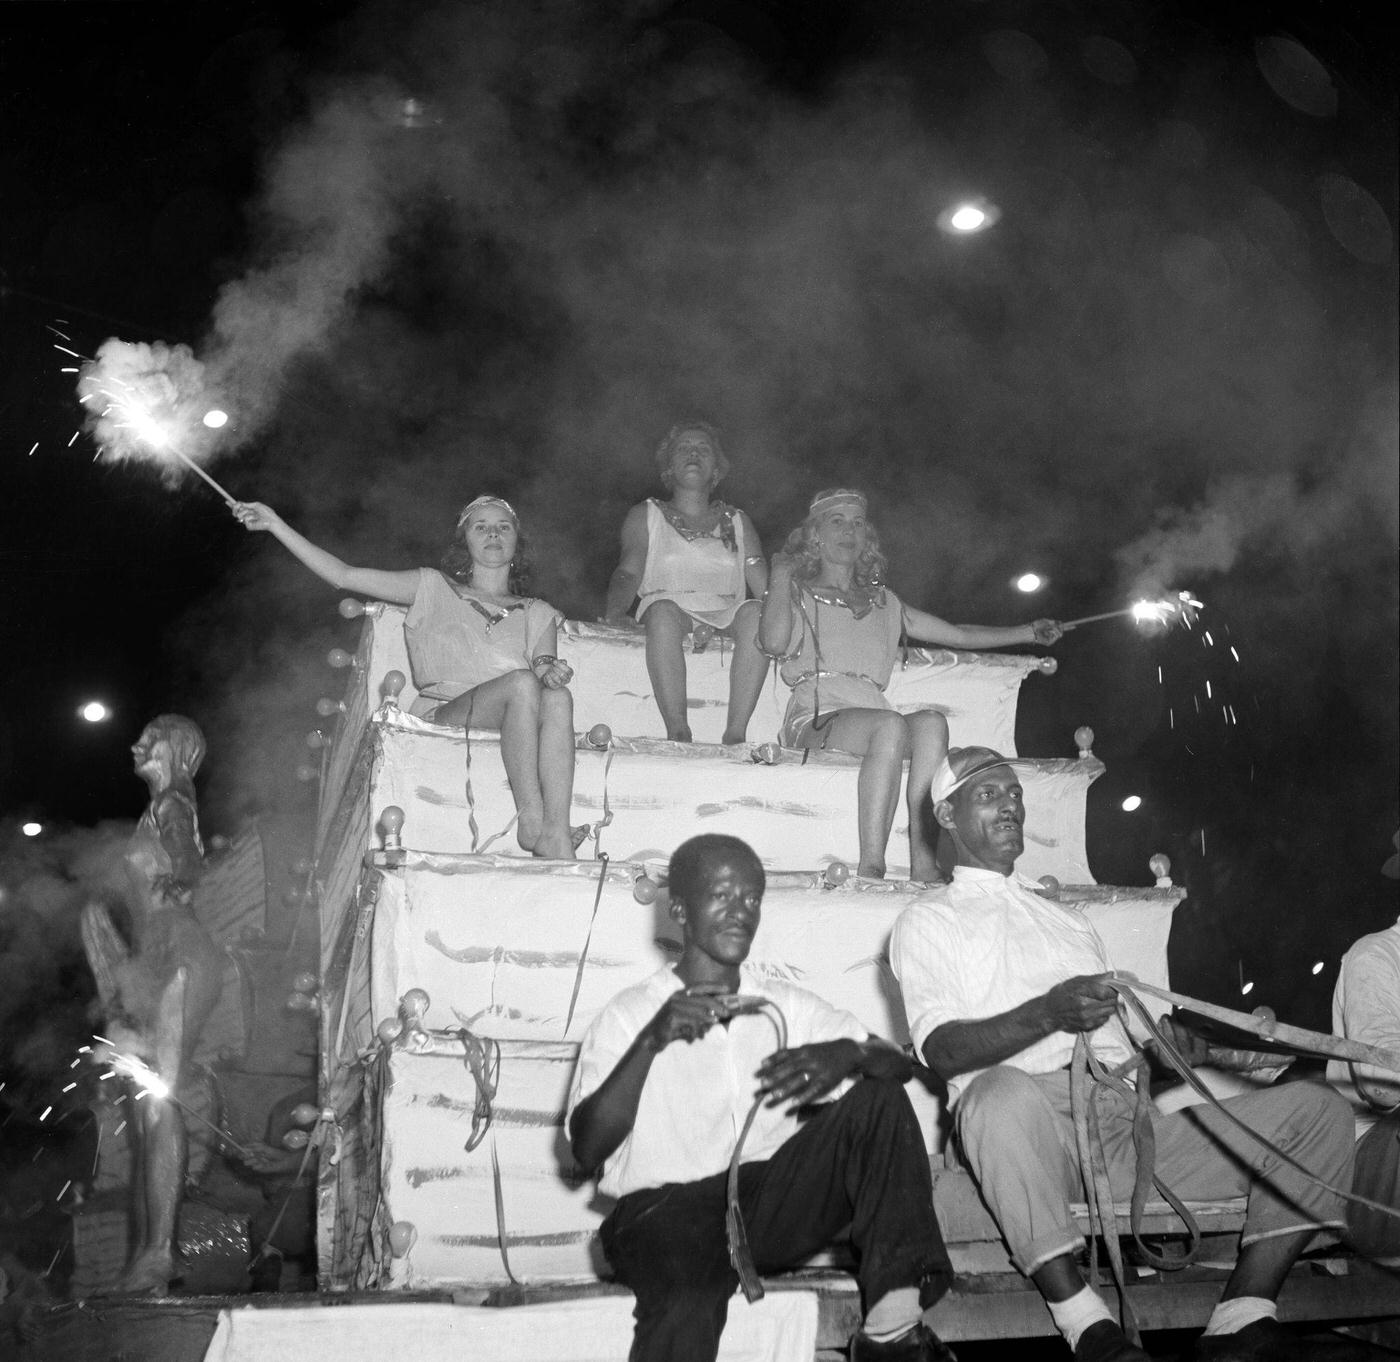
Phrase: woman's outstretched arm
(398, 588)
(925, 628)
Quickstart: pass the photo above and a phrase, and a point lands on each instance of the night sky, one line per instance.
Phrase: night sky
(430, 250)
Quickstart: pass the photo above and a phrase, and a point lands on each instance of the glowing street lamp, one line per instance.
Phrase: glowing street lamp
(215, 419)
(1028, 582)
(94, 712)
(31, 829)
(1132, 803)
(969, 216)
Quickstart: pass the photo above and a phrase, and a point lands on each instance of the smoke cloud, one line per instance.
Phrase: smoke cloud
(139, 396)
(509, 244)
(45, 986)
(336, 191)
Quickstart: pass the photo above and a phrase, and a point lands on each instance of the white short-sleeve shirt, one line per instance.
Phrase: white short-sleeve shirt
(987, 943)
(697, 1095)
(1366, 1007)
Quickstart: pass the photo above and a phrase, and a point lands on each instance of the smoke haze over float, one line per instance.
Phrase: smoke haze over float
(1170, 364)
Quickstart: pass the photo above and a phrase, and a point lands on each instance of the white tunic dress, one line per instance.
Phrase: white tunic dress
(704, 576)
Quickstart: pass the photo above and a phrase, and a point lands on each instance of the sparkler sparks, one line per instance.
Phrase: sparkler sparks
(1182, 607)
(148, 402)
(149, 1083)
(126, 1065)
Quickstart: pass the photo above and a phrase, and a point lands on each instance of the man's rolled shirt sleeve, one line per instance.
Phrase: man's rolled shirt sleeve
(1373, 1018)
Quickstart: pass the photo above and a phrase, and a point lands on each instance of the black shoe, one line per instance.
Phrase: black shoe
(1106, 1342)
(1266, 1340)
(919, 1344)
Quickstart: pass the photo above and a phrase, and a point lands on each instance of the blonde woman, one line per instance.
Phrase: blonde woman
(835, 628)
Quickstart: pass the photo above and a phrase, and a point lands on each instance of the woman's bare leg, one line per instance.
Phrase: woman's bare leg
(928, 745)
(556, 774)
(511, 705)
(667, 625)
(880, 738)
(747, 672)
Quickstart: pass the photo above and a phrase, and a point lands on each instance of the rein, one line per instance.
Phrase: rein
(1088, 1074)
(740, 1255)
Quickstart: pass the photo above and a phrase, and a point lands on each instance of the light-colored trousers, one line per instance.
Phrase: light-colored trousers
(1017, 1137)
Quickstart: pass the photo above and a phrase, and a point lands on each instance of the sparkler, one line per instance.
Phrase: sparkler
(1183, 606)
(154, 433)
(149, 395)
(149, 1083)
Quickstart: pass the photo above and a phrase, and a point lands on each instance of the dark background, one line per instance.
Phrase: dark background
(1171, 364)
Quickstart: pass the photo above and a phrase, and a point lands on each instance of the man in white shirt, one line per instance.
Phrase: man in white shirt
(1366, 1007)
(998, 981)
(667, 1075)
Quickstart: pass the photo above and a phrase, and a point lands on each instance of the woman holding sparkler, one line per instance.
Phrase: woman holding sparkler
(482, 653)
(693, 560)
(835, 630)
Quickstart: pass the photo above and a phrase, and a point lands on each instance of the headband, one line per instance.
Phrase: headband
(839, 496)
(487, 501)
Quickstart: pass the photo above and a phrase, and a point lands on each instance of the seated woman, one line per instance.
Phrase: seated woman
(481, 653)
(693, 561)
(835, 629)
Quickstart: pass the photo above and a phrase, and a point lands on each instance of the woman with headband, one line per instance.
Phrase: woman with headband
(482, 653)
(835, 629)
(693, 561)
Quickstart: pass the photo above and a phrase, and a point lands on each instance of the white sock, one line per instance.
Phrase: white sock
(1073, 1316)
(895, 1313)
(1229, 1317)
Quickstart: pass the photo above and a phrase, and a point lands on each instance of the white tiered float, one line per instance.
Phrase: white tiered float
(459, 974)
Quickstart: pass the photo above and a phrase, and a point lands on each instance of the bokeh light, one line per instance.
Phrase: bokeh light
(1110, 61)
(1296, 76)
(968, 216)
(1357, 221)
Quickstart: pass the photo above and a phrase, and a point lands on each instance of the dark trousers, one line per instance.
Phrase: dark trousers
(858, 1164)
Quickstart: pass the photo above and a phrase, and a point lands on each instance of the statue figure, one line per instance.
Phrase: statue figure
(157, 992)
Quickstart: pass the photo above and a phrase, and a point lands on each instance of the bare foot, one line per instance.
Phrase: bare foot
(150, 1273)
(554, 846)
(681, 734)
(528, 828)
(871, 870)
(733, 739)
(922, 872)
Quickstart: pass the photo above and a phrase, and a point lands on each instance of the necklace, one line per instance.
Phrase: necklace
(724, 523)
(493, 617)
(859, 602)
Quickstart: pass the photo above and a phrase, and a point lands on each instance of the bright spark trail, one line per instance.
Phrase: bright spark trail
(149, 1083)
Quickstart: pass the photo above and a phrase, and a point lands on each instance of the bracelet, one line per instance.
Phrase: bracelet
(543, 660)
